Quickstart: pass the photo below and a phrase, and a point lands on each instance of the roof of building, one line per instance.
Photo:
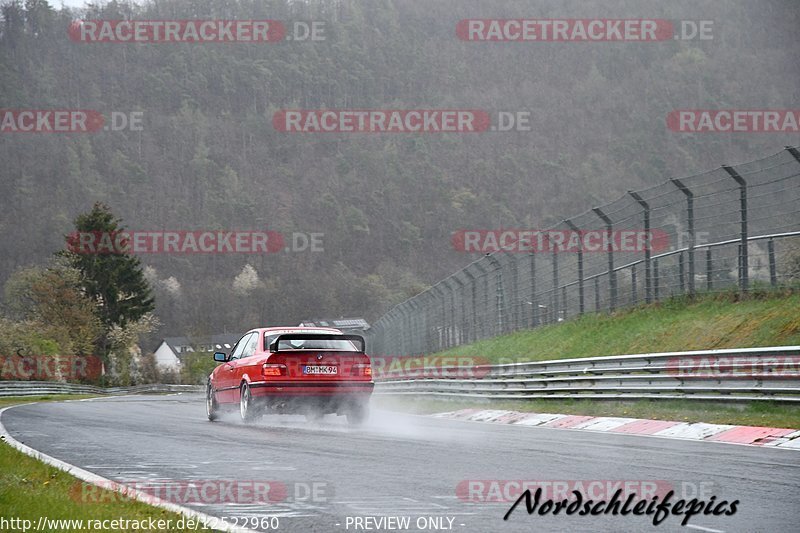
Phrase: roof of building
(222, 342)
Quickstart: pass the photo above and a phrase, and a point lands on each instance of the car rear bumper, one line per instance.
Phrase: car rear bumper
(311, 388)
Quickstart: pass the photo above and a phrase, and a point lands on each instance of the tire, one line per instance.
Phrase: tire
(357, 415)
(246, 408)
(212, 407)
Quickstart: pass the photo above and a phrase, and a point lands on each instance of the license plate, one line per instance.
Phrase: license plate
(327, 370)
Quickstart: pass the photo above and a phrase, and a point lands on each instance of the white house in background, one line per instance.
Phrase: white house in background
(171, 351)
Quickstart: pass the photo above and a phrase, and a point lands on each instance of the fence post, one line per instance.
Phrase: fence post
(442, 333)
(506, 259)
(634, 294)
(419, 300)
(690, 221)
(473, 326)
(773, 275)
(447, 311)
(462, 323)
(581, 300)
(453, 324)
(647, 251)
(498, 294)
(655, 279)
(515, 299)
(744, 275)
(451, 284)
(709, 270)
(414, 326)
(534, 303)
(485, 275)
(681, 273)
(596, 294)
(612, 275)
(554, 302)
(431, 321)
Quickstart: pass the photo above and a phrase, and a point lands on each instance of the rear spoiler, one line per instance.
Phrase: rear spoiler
(357, 339)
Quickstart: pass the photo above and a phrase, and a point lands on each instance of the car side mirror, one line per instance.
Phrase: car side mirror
(220, 357)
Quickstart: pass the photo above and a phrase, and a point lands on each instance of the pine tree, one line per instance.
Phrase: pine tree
(113, 279)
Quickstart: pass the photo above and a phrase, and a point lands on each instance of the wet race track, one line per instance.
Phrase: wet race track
(398, 472)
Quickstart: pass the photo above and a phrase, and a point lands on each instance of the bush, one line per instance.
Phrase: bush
(196, 367)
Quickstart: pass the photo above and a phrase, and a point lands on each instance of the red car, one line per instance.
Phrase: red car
(310, 371)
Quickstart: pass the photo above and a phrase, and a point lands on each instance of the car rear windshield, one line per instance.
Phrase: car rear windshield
(310, 344)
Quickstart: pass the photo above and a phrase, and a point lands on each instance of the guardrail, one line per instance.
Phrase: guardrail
(40, 388)
(740, 374)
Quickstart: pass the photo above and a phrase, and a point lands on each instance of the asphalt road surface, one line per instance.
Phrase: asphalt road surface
(325, 476)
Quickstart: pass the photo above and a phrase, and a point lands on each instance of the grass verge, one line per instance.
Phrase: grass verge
(680, 324)
(30, 489)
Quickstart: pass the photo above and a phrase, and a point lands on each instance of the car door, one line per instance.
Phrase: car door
(227, 374)
(243, 364)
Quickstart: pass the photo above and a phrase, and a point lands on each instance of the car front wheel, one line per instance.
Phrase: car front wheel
(212, 408)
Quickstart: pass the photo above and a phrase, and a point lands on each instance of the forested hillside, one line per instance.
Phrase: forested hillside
(208, 156)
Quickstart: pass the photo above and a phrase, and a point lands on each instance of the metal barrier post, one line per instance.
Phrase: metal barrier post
(612, 279)
(647, 250)
(744, 275)
(690, 221)
(581, 301)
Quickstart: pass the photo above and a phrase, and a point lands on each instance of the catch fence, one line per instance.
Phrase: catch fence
(733, 227)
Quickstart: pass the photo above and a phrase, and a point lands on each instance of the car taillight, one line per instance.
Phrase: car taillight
(273, 370)
(361, 370)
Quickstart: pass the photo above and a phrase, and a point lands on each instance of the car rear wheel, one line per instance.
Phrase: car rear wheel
(246, 409)
(212, 408)
(357, 415)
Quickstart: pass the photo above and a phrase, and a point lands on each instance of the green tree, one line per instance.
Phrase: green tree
(49, 312)
(114, 280)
